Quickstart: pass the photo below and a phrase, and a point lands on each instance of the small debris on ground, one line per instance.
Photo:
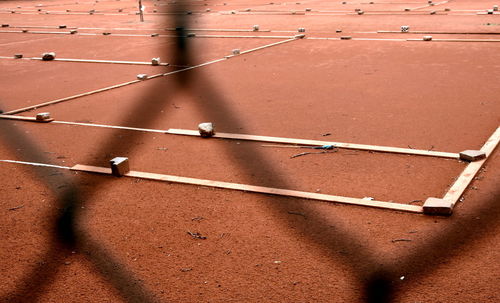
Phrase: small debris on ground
(186, 269)
(296, 213)
(196, 235)
(415, 201)
(400, 240)
(309, 153)
(197, 219)
(16, 208)
(326, 134)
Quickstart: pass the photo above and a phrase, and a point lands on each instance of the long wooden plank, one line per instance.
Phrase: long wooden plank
(242, 36)
(466, 177)
(439, 32)
(100, 61)
(256, 189)
(70, 97)
(457, 40)
(386, 149)
(10, 117)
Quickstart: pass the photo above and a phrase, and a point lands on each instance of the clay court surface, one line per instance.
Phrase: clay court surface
(353, 78)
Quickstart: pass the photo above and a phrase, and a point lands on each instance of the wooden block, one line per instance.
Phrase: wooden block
(5, 25)
(18, 56)
(436, 206)
(427, 38)
(62, 26)
(301, 30)
(119, 166)
(48, 56)
(206, 129)
(472, 155)
(43, 117)
(155, 61)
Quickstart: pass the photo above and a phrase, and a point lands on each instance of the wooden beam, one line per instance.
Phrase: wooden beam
(255, 189)
(386, 149)
(439, 32)
(70, 97)
(242, 36)
(100, 61)
(466, 177)
(458, 40)
(22, 118)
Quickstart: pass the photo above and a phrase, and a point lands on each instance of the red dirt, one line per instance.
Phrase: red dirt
(425, 95)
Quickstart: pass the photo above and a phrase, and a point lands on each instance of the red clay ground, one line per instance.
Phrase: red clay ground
(376, 89)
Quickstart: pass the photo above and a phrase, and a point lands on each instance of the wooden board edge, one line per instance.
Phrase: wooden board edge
(377, 148)
(256, 189)
(465, 178)
(23, 118)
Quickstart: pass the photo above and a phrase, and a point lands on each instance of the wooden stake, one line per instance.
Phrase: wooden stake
(141, 11)
(255, 189)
